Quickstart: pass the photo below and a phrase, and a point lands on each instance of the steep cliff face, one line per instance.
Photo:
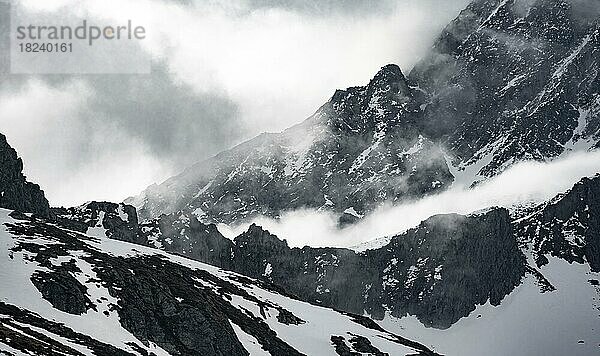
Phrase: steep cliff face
(359, 149)
(15, 191)
(567, 227)
(446, 266)
(438, 271)
(512, 79)
(328, 276)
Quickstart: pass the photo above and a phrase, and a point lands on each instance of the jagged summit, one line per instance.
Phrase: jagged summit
(360, 148)
(390, 75)
(386, 100)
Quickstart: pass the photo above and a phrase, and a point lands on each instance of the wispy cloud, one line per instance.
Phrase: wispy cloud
(74, 159)
(224, 72)
(526, 182)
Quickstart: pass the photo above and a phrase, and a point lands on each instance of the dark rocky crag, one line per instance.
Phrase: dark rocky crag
(16, 192)
(446, 266)
(567, 227)
(438, 271)
(183, 234)
(361, 148)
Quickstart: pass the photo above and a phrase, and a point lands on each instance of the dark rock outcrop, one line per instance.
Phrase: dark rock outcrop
(63, 291)
(446, 266)
(438, 271)
(183, 234)
(567, 227)
(119, 220)
(16, 192)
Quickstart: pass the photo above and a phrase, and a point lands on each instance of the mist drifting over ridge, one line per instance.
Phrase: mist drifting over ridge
(524, 183)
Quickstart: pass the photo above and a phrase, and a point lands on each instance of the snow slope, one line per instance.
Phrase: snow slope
(29, 247)
(565, 321)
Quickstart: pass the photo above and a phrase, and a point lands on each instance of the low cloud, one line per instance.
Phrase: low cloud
(523, 183)
(224, 71)
(70, 151)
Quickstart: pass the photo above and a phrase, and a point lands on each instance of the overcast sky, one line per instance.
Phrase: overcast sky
(223, 71)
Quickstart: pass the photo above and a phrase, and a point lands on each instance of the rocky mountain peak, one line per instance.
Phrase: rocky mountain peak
(256, 235)
(16, 192)
(386, 103)
(390, 78)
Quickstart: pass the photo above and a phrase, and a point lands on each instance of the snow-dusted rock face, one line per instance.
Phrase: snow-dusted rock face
(514, 79)
(15, 191)
(453, 261)
(361, 148)
(183, 234)
(116, 221)
(568, 227)
(446, 266)
(508, 80)
(429, 271)
(67, 293)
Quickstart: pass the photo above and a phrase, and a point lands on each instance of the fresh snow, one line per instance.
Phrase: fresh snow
(576, 142)
(17, 289)
(98, 230)
(249, 342)
(378, 137)
(353, 212)
(122, 215)
(527, 322)
(372, 244)
(311, 337)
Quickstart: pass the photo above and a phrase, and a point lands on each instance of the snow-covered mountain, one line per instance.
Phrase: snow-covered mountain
(510, 80)
(74, 283)
(67, 293)
(359, 149)
(70, 287)
(507, 80)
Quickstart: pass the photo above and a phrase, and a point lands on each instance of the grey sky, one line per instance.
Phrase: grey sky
(223, 72)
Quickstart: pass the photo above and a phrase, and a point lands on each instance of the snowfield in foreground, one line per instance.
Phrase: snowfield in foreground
(72, 294)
